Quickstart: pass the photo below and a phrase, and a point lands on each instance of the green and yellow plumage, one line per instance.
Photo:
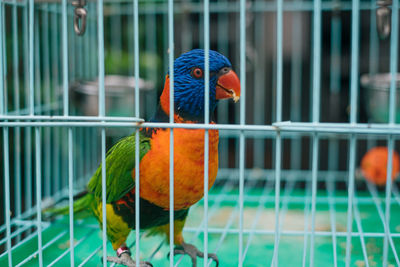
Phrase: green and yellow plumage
(120, 161)
(154, 157)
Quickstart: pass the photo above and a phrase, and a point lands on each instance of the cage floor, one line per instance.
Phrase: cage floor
(258, 237)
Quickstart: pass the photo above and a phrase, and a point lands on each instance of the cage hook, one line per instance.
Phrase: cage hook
(383, 18)
(80, 15)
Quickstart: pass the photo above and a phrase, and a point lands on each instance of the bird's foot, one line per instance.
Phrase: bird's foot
(125, 259)
(193, 253)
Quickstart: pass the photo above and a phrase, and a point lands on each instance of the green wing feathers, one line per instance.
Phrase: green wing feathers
(79, 205)
(120, 161)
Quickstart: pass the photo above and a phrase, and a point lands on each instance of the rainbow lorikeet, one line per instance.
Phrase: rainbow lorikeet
(154, 160)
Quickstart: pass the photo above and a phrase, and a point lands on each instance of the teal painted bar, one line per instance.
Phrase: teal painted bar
(316, 95)
(394, 39)
(31, 56)
(355, 25)
(242, 144)
(101, 73)
(38, 193)
(6, 173)
(171, 52)
(137, 140)
(17, 99)
(206, 24)
(46, 98)
(278, 113)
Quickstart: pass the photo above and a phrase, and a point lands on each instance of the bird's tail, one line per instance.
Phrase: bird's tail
(81, 204)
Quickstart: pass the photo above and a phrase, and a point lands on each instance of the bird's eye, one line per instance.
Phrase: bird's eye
(197, 73)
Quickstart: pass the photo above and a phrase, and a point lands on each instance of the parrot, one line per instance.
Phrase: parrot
(189, 87)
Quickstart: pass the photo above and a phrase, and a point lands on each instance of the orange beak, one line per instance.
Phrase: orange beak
(228, 86)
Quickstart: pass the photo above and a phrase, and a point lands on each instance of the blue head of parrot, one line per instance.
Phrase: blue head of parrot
(189, 84)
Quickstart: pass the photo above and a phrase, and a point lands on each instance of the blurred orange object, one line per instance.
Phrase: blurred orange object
(374, 165)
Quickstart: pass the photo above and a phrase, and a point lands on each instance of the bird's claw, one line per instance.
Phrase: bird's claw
(193, 253)
(125, 259)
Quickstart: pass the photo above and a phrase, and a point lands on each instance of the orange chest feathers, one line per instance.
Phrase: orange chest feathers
(188, 167)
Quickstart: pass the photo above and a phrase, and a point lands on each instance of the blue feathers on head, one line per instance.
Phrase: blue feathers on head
(189, 82)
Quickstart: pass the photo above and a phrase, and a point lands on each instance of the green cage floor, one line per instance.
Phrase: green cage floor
(258, 244)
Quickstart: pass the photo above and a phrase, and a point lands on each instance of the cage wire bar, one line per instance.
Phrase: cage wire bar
(137, 141)
(206, 121)
(392, 106)
(280, 183)
(171, 49)
(278, 140)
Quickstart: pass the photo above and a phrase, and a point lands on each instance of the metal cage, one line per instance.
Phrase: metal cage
(319, 88)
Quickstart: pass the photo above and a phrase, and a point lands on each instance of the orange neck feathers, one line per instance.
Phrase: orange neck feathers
(164, 101)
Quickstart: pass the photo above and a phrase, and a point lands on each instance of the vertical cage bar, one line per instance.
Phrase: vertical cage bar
(6, 181)
(393, 61)
(17, 135)
(37, 130)
(353, 120)
(46, 100)
(315, 117)
(31, 56)
(70, 196)
(355, 29)
(242, 122)
(330, 186)
(279, 59)
(206, 119)
(392, 120)
(65, 57)
(5, 144)
(70, 136)
(352, 159)
(278, 140)
(100, 43)
(316, 61)
(388, 198)
(171, 50)
(39, 193)
(103, 194)
(306, 221)
(315, 155)
(137, 140)
(28, 131)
